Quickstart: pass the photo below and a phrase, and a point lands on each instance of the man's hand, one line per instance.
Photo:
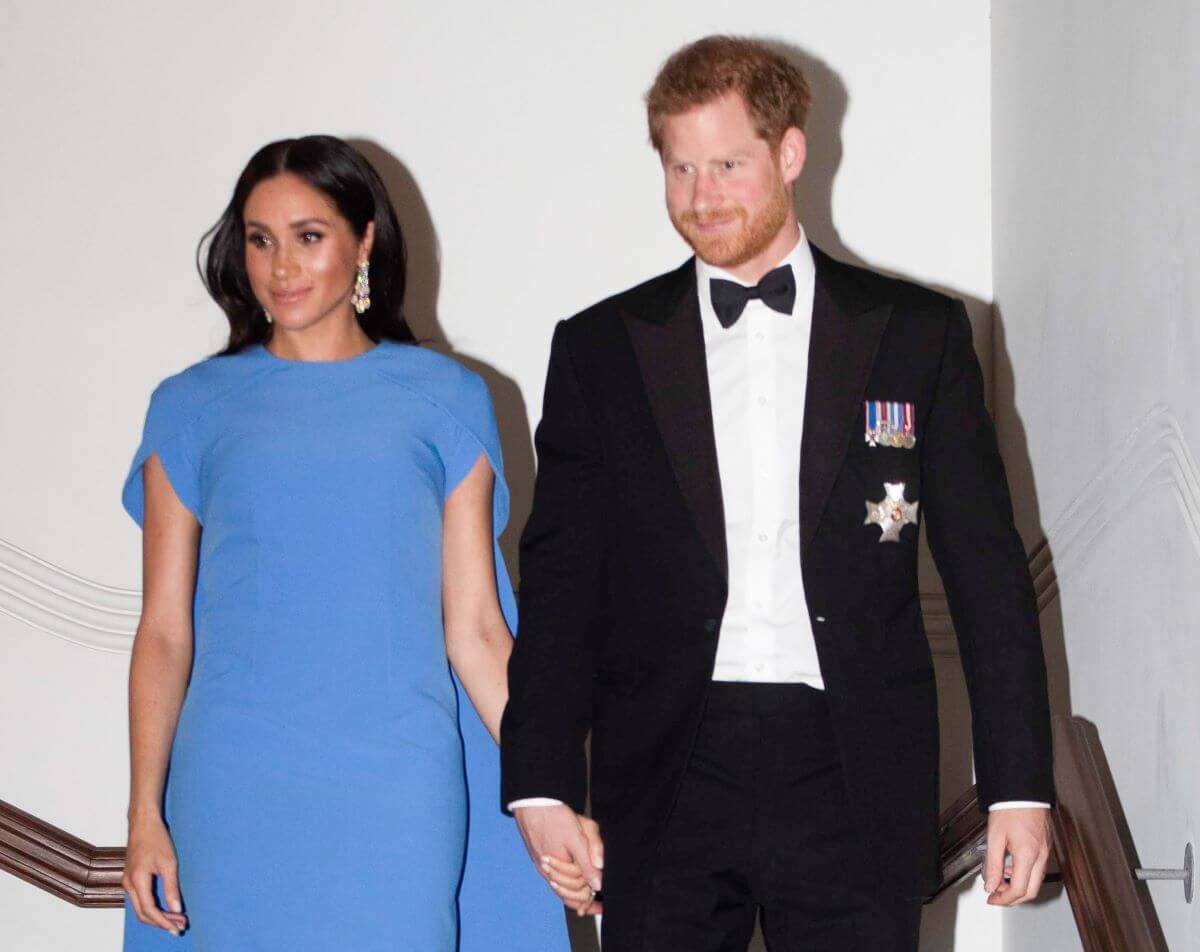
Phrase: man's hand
(1025, 833)
(568, 852)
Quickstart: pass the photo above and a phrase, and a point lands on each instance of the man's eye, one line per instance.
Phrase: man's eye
(729, 165)
(683, 169)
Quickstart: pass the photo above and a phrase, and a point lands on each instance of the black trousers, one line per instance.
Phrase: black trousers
(762, 827)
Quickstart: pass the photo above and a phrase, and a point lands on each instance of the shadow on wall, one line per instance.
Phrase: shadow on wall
(421, 307)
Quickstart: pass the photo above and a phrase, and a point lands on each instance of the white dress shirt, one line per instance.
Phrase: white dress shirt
(757, 380)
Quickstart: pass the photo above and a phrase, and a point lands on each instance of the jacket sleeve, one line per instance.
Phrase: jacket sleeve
(983, 565)
(561, 601)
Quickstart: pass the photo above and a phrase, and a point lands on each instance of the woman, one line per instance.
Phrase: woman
(320, 505)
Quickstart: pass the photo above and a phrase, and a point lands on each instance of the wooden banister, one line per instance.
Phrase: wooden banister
(961, 831)
(1113, 911)
(58, 862)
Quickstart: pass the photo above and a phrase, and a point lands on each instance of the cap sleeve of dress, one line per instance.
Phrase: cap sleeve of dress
(167, 435)
(473, 433)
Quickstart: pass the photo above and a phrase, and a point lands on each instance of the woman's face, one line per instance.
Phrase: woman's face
(301, 254)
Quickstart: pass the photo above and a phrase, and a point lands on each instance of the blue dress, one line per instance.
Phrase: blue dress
(329, 781)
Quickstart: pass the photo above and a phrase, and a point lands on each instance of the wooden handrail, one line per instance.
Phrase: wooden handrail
(58, 862)
(961, 831)
(1113, 911)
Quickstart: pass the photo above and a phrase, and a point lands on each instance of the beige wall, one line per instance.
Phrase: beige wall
(512, 136)
(1095, 170)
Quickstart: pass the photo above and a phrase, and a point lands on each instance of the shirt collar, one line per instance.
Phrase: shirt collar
(803, 269)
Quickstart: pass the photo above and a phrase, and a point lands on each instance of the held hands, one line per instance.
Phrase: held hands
(151, 853)
(1025, 833)
(568, 851)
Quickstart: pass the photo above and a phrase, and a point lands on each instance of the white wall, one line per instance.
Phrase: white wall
(1095, 137)
(516, 141)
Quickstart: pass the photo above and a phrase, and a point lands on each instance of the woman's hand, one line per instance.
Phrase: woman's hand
(568, 881)
(151, 853)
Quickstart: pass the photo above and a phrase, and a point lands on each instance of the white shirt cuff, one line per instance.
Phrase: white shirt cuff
(1001, 805)
(534, 802)
(1017, 805)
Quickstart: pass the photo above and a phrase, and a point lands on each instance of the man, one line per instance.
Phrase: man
(719, 575)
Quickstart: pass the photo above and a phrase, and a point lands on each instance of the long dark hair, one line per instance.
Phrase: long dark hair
(334, 168)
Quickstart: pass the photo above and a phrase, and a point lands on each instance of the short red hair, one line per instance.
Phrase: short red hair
(775, 92)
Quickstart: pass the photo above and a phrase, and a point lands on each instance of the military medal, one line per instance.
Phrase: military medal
(892, 513)
(910, 426)
(890, 423)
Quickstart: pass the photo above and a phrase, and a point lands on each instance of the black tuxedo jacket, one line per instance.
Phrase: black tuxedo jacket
(623, 569)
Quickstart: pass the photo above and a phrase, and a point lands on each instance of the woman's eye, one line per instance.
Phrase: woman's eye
(311, 237)
(258, 241)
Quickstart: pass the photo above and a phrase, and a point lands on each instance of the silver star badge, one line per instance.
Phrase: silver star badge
(891, 513)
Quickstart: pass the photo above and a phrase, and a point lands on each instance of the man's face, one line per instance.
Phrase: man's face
(728, 191)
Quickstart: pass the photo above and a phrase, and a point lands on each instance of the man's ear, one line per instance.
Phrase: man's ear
(793, 150)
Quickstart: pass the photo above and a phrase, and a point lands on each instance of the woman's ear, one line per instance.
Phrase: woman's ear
(368, 240)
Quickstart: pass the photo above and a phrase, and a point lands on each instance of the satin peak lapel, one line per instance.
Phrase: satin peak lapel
(846, 330)
(669, 344)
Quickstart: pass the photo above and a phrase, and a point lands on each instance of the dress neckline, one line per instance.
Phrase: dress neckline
(329, 364)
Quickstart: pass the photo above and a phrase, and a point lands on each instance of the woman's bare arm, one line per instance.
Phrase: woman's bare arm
(478, 641)
(158, 676)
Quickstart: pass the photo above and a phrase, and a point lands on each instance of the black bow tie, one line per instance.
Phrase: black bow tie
(777, 290)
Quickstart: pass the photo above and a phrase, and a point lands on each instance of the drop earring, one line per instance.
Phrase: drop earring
(361, 298)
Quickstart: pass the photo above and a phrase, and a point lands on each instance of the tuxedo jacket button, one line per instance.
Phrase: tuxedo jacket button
(711, 625)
